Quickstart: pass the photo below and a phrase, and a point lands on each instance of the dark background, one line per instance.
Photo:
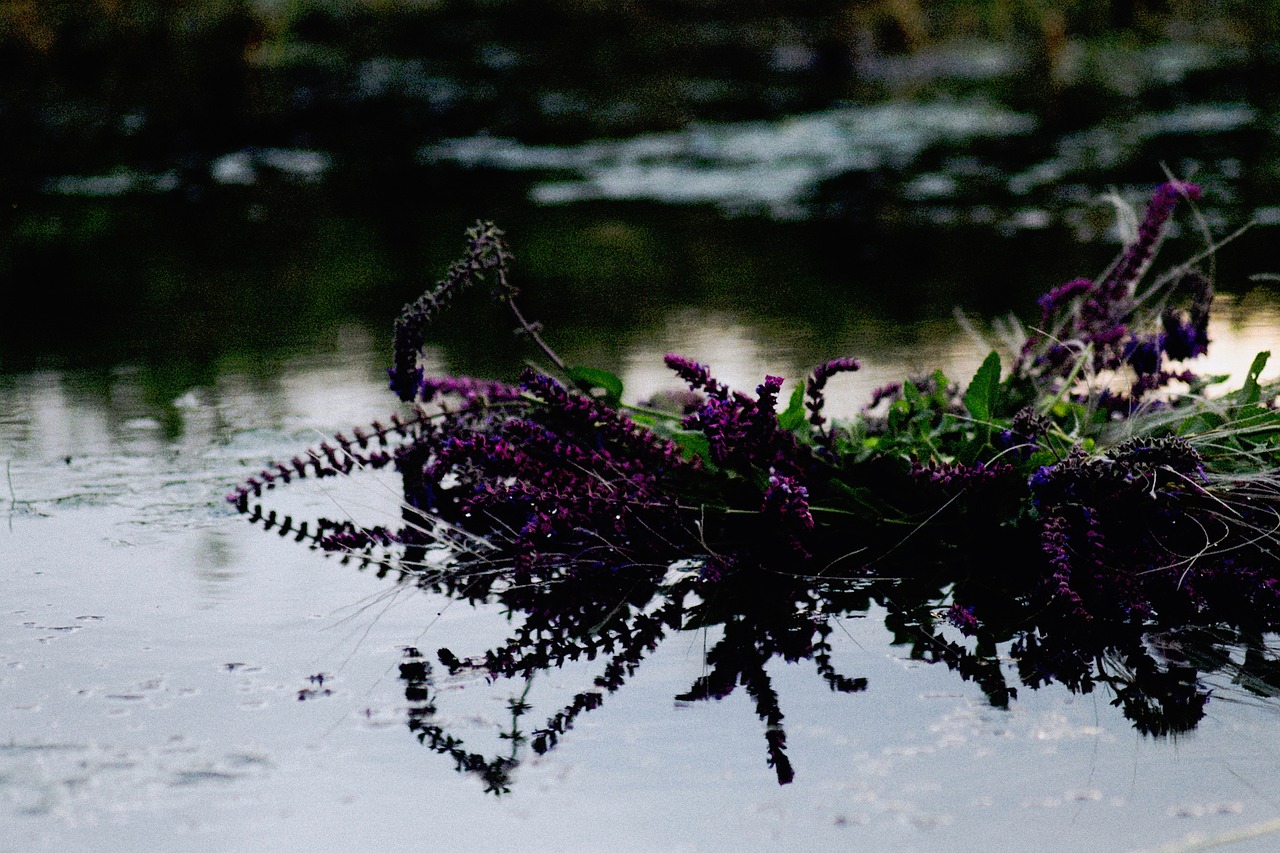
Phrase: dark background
(121, 241)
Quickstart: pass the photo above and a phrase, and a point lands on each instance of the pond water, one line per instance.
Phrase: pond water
(172, 674)
(208, 291)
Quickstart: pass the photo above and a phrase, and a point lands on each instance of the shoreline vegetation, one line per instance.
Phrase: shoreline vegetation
(1086, 508)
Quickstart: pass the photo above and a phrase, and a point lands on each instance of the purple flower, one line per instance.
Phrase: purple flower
(1105, 315)
(1056, 545)
(467, 388)
(486, 254)
(1024, 434)
(1184, 340)
(788, 501)
(949, 473)
(741, 433)
(697, 376)
(767, 395)
(1060, 295)
(1143, 355)
(884, 392)
(818, 381)
(1139, 253)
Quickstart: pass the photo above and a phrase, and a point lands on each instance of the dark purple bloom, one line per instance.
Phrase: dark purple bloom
(1061, 295)
(1143, 355)
(487, 256)
(788, 501)
(1139, 253)
(1025, 431)
(1187, 330)
(767, 395)
(350, 538)
(1106, 315)
(741, 433)
(467, 388)
(1184, 340)
(697, 376)
(1056, 545)
(884, 392)
(818, 381)
(957, 473)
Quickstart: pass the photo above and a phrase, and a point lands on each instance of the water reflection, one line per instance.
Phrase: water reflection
(743, 349)
(615, 619)
(339, 376)
(916, 162)
(747, 167)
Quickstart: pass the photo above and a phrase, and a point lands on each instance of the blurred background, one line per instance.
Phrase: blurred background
(188, 184)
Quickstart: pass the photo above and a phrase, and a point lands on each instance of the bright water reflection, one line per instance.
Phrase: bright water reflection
(154, 650)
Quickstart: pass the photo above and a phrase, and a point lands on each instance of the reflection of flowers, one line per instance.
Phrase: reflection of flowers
(1156, 682)
(621, 619)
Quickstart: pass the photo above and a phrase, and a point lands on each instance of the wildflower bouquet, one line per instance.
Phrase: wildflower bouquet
(1092, 494)
(1131, 484)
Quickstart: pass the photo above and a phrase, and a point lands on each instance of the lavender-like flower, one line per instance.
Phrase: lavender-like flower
(1025, 432)
(1056, 544)
(697, 376)
(788, 502)
(1184, 340)
(767, 396)
(1052, 301)
(818, 381)
(486, 253)
(467, 388)
(568, 513)
(884, 392)
(1143, 354)
(1104, 315)
(1186, 332)
(957, 473)
(742, 433)
(1138, 255)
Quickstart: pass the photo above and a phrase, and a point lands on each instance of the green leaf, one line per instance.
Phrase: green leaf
(591, 378)
(1251, 391)
(693, 445)
(1202, 382)
(793, 418)
(1200, 422)
(899, 414)
(980, 399)
(940, 385)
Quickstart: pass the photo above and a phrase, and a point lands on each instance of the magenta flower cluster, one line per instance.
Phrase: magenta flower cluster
(1112, 319)
(558, 477)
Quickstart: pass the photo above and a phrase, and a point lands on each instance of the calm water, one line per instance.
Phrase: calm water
(173, 677)
(160, 663)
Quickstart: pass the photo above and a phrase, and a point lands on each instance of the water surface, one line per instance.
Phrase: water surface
(169, 671)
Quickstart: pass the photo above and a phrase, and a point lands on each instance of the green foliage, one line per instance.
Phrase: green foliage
(602, 383)
(792, 419)
(981, 397)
